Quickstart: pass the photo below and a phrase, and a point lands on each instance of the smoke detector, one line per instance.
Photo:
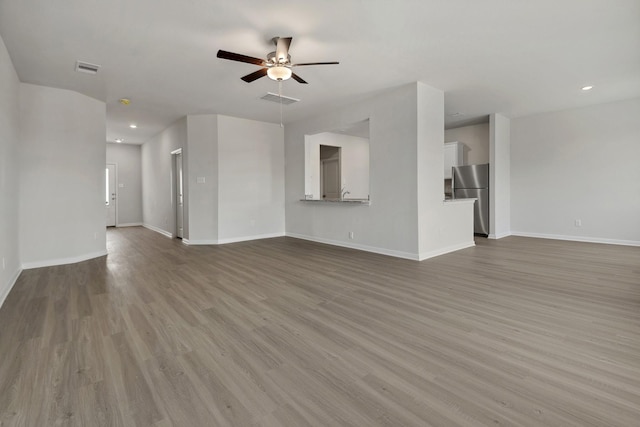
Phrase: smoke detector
(85, 67)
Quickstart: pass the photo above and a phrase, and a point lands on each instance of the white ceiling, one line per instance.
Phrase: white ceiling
(515, 57)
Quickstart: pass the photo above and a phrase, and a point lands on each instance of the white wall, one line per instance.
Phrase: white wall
(476, 142)
(578, 164)
(9, 137)
(354, 158)
(127, 157)
(202, 144)
(158, 211)
(62, 158)
(390, 224)
(499, 176)
(442, 227)
(234, 179)
(251, 179)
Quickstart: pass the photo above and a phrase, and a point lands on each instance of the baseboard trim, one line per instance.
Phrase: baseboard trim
(63, 261)
(129, 224)
(232, 239)
(10, 284)
(366, 248)
(577, 238)
(498, 236)
(247, 238)
(199, 242)
(158, 230)
(446, 250)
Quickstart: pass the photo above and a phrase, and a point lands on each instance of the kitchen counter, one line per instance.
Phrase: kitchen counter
(452, 201)
(339, 201)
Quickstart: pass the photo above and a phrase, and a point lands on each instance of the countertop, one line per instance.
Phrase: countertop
(339, 201)
(471, 199)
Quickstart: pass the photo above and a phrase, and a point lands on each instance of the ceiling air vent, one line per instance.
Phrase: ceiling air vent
(85, 67)
(274, 97)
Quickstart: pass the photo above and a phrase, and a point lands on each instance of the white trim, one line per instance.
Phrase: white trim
(199, 242)
(448, 249)
(498, 236)
(246, 238)
(115, 165)
(366, 248)
(63, 261)
(577, 238)
(459, 201)
(130, 224)
(158, 230)
(232, 239)
(11, 283)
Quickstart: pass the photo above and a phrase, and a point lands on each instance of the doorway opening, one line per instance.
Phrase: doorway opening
(330, 172)
(178, 186)
(111, 202)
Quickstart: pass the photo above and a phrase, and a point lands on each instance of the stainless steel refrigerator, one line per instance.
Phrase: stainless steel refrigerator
(473, 182)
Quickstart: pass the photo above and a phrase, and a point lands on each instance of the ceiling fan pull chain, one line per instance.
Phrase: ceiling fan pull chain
(280, 96)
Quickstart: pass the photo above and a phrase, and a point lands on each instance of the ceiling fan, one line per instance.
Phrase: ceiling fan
(277, 66)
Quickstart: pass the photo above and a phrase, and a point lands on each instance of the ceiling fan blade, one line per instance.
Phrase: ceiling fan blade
(282, 48)
(315, 63)
(255, 75)
(240, 58)
(298, 78)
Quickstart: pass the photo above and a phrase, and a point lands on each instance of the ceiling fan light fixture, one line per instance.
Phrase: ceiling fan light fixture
(279, 73)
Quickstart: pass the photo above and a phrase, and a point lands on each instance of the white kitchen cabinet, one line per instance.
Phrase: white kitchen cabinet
(453, 152)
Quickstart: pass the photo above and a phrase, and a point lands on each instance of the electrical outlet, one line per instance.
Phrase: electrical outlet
(578, 223)
(351, 234)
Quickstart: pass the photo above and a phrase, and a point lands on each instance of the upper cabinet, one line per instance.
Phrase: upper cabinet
(453, 154)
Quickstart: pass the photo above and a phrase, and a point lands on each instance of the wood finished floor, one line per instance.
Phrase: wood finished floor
(283, 332)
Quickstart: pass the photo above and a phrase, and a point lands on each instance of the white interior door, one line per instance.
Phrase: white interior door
(110, 194)
(179, 197)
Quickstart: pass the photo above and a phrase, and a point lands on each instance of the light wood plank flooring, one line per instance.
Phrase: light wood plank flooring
(283, 332)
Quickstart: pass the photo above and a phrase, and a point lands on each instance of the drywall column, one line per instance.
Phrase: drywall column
(202, 179)
(429, 158)
(500, 176)
(9, 143)
(158, 208)
(62, 161)
(442, 226)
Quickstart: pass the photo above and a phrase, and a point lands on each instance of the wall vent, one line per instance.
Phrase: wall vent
(274, 97)
(85, 67)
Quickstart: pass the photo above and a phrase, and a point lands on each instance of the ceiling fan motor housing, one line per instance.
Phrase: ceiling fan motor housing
(272, 60)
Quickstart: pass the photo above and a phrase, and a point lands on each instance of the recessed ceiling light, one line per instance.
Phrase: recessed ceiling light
(586, 88)
(119, 140)
(133, 125)
(124, 101)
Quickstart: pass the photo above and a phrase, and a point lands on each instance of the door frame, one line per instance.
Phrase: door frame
(174, 194)
(115, 167)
